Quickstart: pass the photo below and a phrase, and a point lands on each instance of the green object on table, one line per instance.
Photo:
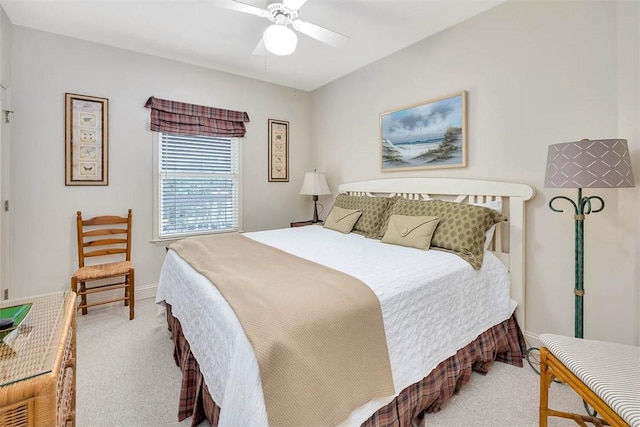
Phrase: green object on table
(17, 313)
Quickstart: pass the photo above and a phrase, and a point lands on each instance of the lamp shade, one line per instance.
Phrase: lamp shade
(588, 163)
(280, 39)
(315, 184)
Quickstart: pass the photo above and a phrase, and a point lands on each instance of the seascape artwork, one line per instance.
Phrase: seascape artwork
(429, 135)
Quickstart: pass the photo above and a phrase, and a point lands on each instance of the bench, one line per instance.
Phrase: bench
(606, 376)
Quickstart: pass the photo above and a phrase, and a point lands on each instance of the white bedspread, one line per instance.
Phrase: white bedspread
(433, 303)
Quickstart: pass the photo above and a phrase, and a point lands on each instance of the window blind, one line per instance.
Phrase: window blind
(199, 185)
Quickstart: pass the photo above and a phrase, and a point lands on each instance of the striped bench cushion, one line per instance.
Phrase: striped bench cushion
(612, 371)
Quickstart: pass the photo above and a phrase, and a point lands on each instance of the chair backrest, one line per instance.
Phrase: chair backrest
(103, 235)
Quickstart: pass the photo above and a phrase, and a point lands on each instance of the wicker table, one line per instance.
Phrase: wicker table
(37, 364)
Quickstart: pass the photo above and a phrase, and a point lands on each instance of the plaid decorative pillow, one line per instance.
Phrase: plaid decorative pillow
(372, 208)
(461, 229)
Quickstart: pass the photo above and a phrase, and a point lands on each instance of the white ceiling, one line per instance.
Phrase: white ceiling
(207, 33)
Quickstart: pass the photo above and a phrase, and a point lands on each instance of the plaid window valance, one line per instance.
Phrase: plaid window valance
(180, 118)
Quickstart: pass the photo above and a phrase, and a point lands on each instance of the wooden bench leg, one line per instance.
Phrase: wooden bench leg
(545, 382)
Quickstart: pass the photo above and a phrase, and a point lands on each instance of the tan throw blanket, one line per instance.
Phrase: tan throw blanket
(317, 332)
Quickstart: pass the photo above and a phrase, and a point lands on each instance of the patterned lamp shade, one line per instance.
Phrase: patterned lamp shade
(601, 163)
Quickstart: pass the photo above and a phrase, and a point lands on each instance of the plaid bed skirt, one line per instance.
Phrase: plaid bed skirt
(503, 342)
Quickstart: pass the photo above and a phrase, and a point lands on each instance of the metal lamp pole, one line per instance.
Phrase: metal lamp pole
(582, 207)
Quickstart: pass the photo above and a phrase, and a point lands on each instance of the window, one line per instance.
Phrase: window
(198, 185)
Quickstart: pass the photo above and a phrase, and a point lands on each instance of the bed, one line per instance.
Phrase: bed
(442, 317)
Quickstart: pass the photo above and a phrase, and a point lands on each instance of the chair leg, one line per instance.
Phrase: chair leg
(74, 287)
(83, 297)
(132, 300)
(126, 290)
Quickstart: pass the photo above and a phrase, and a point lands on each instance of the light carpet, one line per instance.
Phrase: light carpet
(126, 377)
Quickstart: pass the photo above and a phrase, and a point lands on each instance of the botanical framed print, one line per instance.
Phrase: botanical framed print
(86, 140)
(429, 135)
(278, 151)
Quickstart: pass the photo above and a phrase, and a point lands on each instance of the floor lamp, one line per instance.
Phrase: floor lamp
(315, 184)
(582, 164)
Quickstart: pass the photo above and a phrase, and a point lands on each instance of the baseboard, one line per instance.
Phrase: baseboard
(145, 292)
(532, 339)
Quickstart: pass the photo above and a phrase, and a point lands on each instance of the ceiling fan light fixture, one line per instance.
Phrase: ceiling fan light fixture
(280, 39)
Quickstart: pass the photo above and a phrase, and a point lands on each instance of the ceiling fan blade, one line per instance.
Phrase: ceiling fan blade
(246, 8)
(320, 33)
(260, 49)
(293, 4)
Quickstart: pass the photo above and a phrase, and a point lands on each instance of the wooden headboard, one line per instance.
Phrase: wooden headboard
(509, 239)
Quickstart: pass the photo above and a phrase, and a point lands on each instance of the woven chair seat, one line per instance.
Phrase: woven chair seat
(92, 272)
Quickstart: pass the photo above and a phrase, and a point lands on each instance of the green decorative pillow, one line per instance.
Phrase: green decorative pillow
(341, 220)
(461, 229)
(410, 231)
(386, 215)
(372, 208)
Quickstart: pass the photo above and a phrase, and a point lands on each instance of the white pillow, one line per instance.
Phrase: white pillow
(496, 205)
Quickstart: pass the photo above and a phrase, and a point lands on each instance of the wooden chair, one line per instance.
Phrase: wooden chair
(104, 236)
(605, 375)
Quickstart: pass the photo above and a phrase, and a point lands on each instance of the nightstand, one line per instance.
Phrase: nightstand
(304, 223)
(38, 363)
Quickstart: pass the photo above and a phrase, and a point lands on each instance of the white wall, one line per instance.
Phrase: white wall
(537, 73)
(6, 30)
(45, 66)
(628, 62)
(5, 49)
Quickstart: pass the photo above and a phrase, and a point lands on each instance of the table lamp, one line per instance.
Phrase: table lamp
(315, 184)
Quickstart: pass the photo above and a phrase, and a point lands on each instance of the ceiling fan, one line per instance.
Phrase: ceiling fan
(278, 38)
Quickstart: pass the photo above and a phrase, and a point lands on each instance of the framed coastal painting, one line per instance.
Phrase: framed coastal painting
(432, 134)
(86, 140)
(278, 151)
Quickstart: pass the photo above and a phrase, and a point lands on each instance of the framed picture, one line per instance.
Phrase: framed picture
(429, 135)
(86, 140)
(278, 151)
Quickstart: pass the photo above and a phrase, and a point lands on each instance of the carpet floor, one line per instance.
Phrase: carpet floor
(126, 377)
